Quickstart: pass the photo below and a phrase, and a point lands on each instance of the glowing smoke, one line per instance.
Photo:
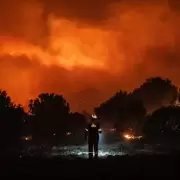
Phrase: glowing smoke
(87, 52)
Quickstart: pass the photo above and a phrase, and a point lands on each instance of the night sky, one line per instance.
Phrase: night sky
(86, 50)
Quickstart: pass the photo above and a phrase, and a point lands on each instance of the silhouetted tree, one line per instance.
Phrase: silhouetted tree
(50, 116)
(28, 123)
(11, 123)
(156, 92)
(165, 120)
(110, 108)
(123, 110)
(77, 124)
(78, 121)
(131, 115)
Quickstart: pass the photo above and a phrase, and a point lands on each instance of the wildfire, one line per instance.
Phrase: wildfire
(73, 54)
(127, 136)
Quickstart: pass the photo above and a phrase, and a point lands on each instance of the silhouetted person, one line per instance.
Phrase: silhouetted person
(92, 133)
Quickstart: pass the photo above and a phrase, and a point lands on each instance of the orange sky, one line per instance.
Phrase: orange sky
(86, 50)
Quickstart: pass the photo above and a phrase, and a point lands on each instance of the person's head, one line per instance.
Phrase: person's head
(94, 116)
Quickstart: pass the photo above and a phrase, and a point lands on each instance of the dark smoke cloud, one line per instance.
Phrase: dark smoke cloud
(17, 17)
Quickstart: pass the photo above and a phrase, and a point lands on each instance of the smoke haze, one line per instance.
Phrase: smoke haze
(86, 49)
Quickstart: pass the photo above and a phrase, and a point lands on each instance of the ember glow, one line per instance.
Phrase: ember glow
(68, 134)
(127, 136)
(86, 52)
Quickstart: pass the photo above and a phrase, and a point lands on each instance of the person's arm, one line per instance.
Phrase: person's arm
(99, 128)
(86, 133)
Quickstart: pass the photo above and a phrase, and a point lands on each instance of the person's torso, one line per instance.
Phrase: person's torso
(93, 130)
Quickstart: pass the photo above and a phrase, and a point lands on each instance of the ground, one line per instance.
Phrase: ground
(105, 150)
(81, 151)
(121, 167)
(70, 162)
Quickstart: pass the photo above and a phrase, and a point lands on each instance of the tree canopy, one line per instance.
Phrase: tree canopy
(156, 92)
(122, 109)
(165, 120)
(125, 109)
(11, 121)
(50, 114)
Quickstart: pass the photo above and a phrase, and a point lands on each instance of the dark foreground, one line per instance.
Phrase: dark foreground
(109, 168)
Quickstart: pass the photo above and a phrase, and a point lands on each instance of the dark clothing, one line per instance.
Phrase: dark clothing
(92, 133)
(93, 148)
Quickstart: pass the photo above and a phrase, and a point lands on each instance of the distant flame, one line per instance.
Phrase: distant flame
(68, 133)
(127, 136)
(27, 138)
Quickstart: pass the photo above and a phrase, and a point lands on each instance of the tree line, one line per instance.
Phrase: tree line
(148, 109)
(49, 116)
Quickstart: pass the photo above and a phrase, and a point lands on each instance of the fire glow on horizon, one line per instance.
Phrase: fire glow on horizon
(83, 58)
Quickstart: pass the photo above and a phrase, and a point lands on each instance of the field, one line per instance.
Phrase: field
(139, 166)
(116, 160)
